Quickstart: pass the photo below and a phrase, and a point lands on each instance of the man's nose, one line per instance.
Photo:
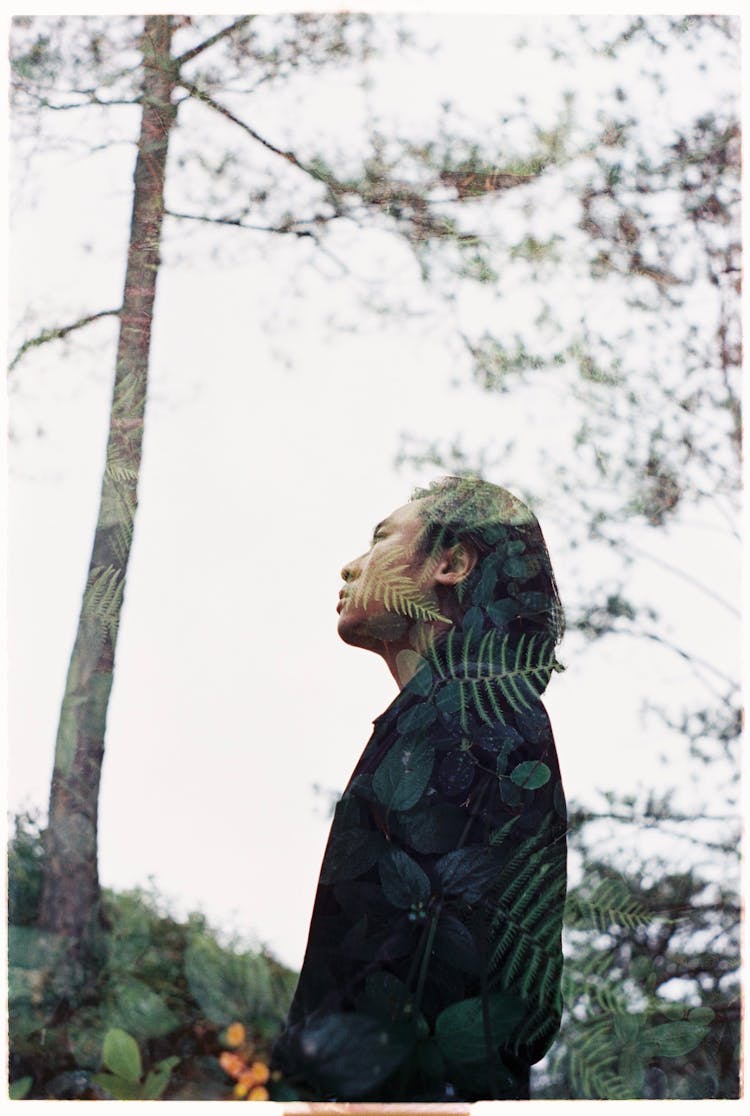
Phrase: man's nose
(351, 569)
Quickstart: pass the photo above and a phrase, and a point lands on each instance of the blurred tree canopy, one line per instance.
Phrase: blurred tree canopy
(582, 262)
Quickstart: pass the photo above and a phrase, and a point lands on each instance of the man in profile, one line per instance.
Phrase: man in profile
(433, 963)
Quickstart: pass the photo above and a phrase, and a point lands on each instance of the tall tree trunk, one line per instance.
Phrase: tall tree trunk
(70, 892)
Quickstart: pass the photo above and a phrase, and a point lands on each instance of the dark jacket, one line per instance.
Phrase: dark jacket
(433, 963)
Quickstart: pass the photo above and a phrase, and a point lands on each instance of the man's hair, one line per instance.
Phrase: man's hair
(512, 586)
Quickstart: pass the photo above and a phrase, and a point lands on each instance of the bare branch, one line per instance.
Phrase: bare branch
(679, 573)
(91, 99)
(196, 50)
(658, 822)
(238, 223)
(206, 99)
(695, 662)
(57, 332)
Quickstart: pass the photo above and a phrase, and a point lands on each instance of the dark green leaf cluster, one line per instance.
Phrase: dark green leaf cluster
(651, 1013)
(169, 987)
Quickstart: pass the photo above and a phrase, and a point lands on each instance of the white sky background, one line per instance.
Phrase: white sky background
(261, 476)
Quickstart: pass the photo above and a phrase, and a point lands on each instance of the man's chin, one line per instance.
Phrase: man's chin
(372, 633)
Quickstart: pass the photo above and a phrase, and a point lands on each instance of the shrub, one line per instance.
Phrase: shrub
(169, 986)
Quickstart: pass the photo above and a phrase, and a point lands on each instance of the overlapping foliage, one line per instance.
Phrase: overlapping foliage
(629, 334)
(158, 1016)
(619, 224)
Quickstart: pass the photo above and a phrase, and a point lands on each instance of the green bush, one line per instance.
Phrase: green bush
(25, 856)
(169, 986)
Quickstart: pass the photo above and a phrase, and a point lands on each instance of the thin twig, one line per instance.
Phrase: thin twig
(290, 157)
(238, 223)
(58, 332)
(194, 51)
(684, 575)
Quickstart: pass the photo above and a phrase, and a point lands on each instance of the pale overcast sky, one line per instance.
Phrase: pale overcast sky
(261, 476)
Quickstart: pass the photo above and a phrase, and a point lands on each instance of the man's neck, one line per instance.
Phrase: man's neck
(405, 656)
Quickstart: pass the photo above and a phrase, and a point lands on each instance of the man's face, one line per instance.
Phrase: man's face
(389, 587)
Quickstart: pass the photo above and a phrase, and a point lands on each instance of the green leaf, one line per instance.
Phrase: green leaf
(387, 998)
(459, 1030)
(228, 986)
(385, 994)
(158, 1079)
(500, 612)
(404, 883)
(19, 1088)
(351, 1054)
(498, 836)
(516, 567)
(404, 773)
(433, 829)
(628, 1026)
(531, 774)
(485, 588)
(29, 948)
(455, 945)
(140, 1011)
(350, 853)
(448, 698)
(117, 1087)
(419, 717)
(421, 682)
(84, 1035)
(671, 1040)
(467, 872)
(510, 793)
(120, 1054)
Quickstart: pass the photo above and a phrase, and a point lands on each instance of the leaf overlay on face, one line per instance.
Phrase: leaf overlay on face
(391, 584)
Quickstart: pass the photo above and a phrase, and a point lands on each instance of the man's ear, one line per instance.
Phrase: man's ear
(456, 564)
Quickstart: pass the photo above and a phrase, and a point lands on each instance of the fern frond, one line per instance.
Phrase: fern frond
(610, 1000)
(593, 1061)
(579, 981)
(487, 638)
(511, 669)
(610, 905)
(549, 984)
(478, 701)
(463, 718)
(119, 471)
(128, 396)
(102, 598)
(121, 540)
(498, 835)
(396, 589)
(532, 967)
(449, 653)
(496, 708)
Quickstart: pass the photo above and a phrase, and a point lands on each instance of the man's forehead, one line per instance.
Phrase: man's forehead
(400, 517)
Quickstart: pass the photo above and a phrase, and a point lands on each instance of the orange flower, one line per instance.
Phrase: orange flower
(258, 1094)
(231, 1063)
(239, 1091)
(235, 1034)
(260, 1072)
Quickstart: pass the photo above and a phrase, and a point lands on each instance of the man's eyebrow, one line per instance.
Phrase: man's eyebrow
(383, 523)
